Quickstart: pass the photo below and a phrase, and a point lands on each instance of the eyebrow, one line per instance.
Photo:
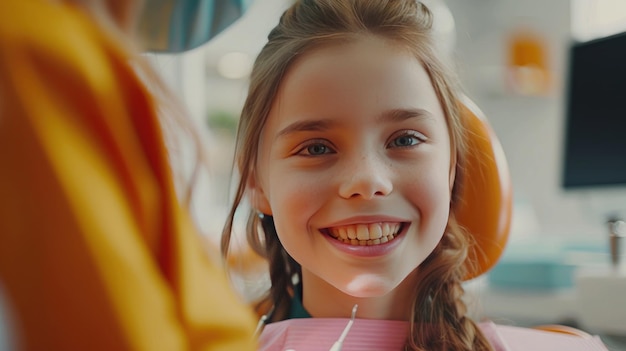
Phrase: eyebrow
(394, 115)
(400, 115)
(307, 126)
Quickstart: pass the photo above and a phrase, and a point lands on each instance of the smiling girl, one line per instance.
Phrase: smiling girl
(348, 149)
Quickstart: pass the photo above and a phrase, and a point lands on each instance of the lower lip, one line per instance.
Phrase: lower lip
(371, 250)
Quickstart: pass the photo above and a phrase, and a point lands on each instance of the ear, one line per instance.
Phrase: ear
(258, 200)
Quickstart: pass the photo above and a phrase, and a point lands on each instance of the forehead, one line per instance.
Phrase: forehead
(365, 74)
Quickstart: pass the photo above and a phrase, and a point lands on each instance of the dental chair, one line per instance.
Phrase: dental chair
(487, 182)
(485, 200)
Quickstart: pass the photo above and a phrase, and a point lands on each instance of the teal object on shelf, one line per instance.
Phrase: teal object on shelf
(535, 275)
(533, 266)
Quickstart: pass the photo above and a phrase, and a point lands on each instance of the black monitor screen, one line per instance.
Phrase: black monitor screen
(595, 123)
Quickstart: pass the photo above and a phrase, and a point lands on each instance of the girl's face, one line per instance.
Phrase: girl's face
(355, 167)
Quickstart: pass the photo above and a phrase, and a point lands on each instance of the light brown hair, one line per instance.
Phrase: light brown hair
(439, 320)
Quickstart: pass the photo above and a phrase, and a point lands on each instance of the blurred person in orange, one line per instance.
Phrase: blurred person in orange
(97, 249)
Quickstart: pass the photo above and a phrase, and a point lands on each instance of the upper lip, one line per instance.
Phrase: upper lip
(366, 219)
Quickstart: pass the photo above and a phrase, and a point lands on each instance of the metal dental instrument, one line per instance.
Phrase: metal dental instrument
(261, 324)
(339, 343)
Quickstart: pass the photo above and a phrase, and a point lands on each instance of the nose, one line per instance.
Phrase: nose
(368, 177)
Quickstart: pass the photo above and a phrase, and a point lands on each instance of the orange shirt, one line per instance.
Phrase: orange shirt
(96, 252)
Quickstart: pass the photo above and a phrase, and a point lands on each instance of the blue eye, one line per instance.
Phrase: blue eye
(405, 140)
(315, 149)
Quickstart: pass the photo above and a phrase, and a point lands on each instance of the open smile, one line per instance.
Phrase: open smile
(366, 234)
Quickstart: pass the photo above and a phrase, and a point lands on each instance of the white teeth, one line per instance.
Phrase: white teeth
(362, 232)
(351, 232)
(342, 233)
(366, 234)
(376, 232)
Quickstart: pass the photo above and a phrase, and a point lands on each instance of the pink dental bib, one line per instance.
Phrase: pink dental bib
(319, 334)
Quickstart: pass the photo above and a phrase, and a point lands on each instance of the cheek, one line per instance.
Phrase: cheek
(294, 198)
(430, 193)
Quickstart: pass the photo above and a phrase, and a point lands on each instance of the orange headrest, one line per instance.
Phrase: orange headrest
(485, 199)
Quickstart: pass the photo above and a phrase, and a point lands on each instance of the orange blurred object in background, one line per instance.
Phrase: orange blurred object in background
(527, 69)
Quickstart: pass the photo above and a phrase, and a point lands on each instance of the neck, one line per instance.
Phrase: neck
(323, 300)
